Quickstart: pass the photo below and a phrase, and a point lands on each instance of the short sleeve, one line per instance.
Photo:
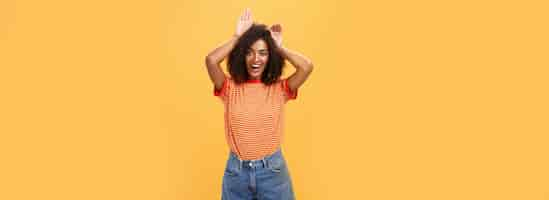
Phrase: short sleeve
(288, 93)
(222, 92)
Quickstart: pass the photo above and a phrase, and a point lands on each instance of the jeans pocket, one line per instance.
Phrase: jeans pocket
(231, 168)
(231, 172)
(276, 164)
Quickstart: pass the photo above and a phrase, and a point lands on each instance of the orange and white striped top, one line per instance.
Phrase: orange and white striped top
(254, 116)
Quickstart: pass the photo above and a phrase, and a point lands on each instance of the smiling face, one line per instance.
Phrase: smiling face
(256, 59)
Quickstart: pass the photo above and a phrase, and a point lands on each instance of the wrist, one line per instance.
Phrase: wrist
(281, 49)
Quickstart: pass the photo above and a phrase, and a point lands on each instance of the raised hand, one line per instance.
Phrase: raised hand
(276, 34)
(244, 22)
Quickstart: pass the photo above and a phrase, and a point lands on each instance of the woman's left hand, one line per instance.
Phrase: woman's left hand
(276, 34)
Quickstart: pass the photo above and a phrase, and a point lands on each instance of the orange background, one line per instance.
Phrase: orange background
(408, 99)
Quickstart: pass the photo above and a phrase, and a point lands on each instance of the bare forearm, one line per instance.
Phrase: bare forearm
(300, 62)
(219, 53)
(214, 59)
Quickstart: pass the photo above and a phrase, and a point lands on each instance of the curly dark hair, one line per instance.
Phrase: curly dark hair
(236, 62)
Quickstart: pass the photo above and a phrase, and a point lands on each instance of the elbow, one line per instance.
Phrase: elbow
(306, 69)
(309, 67)
(212, 59)
(209, 60)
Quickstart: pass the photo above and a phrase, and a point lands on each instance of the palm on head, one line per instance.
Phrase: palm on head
(276, 34)
(244, 22)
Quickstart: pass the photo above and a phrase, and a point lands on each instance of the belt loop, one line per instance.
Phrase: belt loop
(240, 165)
(264, 162)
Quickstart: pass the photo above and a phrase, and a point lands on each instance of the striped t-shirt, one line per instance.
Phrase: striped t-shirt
(254, 116)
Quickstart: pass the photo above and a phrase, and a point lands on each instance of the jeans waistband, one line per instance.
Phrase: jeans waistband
(276, 153)
(257, 162)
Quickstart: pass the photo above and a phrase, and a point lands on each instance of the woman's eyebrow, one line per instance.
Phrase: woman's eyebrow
(259, 49)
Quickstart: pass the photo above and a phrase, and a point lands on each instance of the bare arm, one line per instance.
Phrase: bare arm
(303, 67)
(214, 58)
(302, 64)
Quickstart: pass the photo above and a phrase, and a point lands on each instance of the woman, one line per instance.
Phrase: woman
(254, 97)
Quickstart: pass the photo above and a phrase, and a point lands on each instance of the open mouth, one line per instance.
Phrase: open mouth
(256, 66)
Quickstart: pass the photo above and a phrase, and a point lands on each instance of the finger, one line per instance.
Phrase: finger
(250, 15)
(247, 13)
(243, 16)
(273, 27)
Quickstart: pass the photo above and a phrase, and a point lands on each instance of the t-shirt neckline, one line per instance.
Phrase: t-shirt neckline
(254, 81)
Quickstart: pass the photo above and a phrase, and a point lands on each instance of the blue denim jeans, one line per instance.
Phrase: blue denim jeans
(263, 179)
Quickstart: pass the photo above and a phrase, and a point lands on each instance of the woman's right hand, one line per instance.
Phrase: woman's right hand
(244, 22)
